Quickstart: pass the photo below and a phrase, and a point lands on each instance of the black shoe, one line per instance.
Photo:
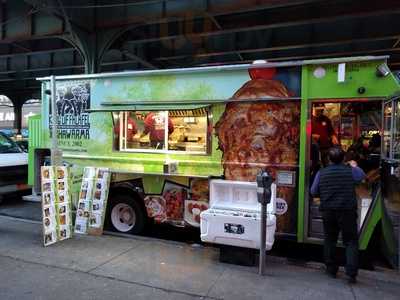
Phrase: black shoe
(351, 279)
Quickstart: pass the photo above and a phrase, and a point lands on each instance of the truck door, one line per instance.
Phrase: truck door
(356, 126)
(390, 177)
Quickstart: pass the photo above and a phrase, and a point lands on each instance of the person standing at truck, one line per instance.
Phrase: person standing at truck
(323, 132)
(154, 124)
(335, 185)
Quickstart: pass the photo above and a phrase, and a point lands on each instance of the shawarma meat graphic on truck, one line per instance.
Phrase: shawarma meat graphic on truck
(225, 122)
(256, 136)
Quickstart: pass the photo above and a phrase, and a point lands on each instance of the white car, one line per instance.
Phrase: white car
(13, 168)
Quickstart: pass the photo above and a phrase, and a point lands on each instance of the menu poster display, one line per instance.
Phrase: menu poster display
(56, 204)
(83, 207)
(92, 201)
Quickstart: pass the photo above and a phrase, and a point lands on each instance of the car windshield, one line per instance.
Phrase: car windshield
(7, 145)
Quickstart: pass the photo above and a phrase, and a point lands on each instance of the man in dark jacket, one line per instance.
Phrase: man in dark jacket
(336, 186)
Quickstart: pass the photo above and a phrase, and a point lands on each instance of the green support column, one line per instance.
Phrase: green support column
(302, 155)
(18, 101)
(18, 116)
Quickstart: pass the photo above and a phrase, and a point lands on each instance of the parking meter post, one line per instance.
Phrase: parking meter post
(263, 232)
(264, 182)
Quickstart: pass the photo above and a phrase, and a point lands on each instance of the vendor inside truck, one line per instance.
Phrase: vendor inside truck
(323, 133)
(154, 126)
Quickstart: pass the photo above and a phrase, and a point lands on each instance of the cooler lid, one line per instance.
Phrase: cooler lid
(238, 195)
(233, 195)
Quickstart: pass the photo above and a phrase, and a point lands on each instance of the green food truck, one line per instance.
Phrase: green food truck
(165, 133)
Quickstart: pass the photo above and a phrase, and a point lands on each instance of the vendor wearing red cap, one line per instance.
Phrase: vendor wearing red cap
(322, 131)
(154, 125)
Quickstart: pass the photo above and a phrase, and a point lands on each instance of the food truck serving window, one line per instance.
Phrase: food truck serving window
(162, 131)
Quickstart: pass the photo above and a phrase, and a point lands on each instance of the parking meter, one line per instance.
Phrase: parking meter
(264, 182)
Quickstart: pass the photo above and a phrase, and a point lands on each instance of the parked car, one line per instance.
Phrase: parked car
(21, 139)
(13, 168)
(9, 132)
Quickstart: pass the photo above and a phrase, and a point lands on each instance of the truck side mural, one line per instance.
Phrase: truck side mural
(88, 134)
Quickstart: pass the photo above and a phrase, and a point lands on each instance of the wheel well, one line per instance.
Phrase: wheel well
(127, 189)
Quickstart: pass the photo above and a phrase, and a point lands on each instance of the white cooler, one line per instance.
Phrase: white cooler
(234, 215)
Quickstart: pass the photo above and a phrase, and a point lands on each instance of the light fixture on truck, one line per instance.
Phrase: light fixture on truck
(382, 70)
(259, 61)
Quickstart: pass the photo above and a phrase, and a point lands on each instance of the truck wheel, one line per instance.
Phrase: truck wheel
(126, 215)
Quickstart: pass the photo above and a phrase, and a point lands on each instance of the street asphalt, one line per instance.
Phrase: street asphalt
(110, 267)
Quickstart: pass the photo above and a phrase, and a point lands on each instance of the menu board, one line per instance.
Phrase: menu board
(92, 201)
(56, 204)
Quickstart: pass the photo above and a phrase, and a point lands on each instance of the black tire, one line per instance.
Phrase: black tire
(133, 203)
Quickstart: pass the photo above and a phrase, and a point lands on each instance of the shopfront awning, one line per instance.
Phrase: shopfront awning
(153, 106)
(173, 105)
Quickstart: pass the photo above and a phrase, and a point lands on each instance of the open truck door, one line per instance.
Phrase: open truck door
(390, 178)
(356, 125)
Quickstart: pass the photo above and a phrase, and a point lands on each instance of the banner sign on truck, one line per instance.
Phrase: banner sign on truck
(73, 128)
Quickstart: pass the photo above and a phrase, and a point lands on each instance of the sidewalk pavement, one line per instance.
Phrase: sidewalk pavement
(110, 267)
